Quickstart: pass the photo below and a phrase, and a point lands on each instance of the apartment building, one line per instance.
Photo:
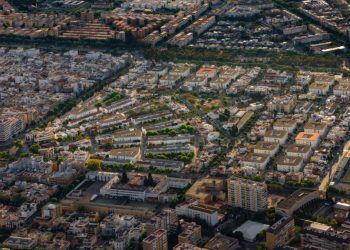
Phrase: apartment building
(284, 103)
(267, 148)
(289, 164)
(125, 154)
(201, 25)
(319, 88)
(285, 124)
(207, 71)
(306, 138)
(279, 136)
(164, 220)
(280, 233)
(222, 242)
(342, 89)
(316, 127)
(295, 150)
(194, 209)
(158, 240)
(190, 233)
(255, 160)
(321, 236)
(168, 140)
(9, 127)
(247, 194)
(181, 39)
(132, 137)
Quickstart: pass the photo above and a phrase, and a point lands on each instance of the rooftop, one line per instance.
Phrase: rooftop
(305, 136)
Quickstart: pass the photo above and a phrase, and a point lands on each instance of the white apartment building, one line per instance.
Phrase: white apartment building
(278, 136)
(258, 161)
(194, 209)
(289, 164)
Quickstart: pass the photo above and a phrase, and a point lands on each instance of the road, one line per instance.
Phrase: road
(328, 178)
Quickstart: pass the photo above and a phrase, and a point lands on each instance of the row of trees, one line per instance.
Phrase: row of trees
(181, 156)
(184, 129)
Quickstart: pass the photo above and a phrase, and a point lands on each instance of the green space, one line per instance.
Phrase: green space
(185, 157)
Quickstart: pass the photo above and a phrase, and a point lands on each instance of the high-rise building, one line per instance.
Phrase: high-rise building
(247, 194)
(280, 233)
(158, 240)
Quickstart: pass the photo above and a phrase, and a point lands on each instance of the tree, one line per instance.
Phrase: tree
(98, 105)
(19, 143)
(93, 164)
(34, 148)
(149, 180)
(333, 222)
(238, 235)
(234, 130)
(124, 178)
(172, 132)
(261, 236)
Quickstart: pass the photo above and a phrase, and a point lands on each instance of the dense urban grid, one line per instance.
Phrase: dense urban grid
(174, 125)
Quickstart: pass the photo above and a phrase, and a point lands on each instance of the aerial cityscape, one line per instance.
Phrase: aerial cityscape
(175, 124)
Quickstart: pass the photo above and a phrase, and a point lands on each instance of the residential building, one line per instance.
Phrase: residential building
(284, 103)
(342, 89)
(190, 233)
(125, 154)
(289, 164)
(258, 161)
(321, 236)
(158, 240)
(194, 209)
(132, 137)
(247, 194)
(319, 88)
(163, 220)
(281, 233)
(279, 136)
(316, 127)
(299, 150)
(285, 124)
(305, 138)
(267, 148)
(222, 242)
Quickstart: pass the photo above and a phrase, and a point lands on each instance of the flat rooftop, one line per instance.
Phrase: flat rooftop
(305, 136)
(296, 148)
(285, 123)
(289, 160)
(254, 157)
(276, 133)
(266, 145)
